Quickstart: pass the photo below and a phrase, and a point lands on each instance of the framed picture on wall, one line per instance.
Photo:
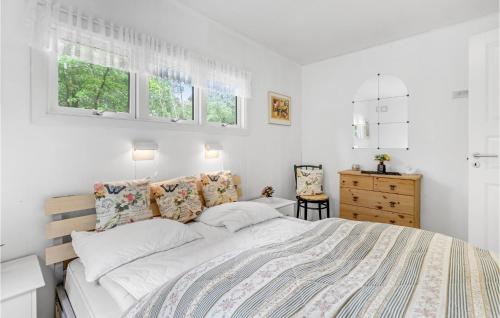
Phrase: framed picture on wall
(279, 109)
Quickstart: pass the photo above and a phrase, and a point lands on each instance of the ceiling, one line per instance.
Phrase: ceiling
(308, 31)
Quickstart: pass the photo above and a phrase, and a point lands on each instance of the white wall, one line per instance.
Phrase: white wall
(57, 156)
(432, 65)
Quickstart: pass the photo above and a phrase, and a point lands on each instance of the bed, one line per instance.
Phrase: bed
(288, 267)
(122, 288)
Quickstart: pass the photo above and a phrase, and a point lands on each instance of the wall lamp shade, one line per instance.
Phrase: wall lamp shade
(144, 150)
(212, 151)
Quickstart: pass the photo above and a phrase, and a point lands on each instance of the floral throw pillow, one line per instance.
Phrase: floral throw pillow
(121, 202)
(178, 199)
(218, 188)
(309, 182)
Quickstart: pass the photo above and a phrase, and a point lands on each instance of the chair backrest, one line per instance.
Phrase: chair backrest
(307, 167)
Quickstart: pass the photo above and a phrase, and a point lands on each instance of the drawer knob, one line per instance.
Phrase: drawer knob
(393, 187)
(355, 199)
(355, 215)
(355, 183)
(379, 207)
(392, 221)
(392, 203)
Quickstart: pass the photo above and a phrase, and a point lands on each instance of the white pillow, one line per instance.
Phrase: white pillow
(100, 252)
(237, 215)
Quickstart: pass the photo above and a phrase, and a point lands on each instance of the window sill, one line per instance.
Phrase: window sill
(92, 121)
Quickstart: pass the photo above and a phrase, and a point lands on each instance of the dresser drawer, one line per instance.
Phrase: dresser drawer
(378, 200)
(392, 185)
(357, 197)
(356, 182)
(352, 212)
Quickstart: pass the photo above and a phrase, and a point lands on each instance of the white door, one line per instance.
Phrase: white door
(484, 188)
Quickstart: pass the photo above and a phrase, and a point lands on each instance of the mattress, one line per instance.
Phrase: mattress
(89, 300)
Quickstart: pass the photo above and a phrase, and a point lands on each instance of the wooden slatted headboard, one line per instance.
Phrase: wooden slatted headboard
(58, 206)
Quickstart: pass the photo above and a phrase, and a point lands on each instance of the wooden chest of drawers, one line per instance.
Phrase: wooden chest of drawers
(380, 198)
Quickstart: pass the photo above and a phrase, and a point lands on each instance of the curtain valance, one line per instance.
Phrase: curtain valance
(71, 32)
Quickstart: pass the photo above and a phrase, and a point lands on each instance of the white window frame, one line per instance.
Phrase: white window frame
(139, 104)
(240, 112)
(143, 105)
(55, 108)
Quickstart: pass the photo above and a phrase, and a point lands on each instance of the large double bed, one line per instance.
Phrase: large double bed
(284, 267)
(118, 290)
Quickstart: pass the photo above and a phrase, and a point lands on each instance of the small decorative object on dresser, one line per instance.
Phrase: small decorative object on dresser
(393, 199)
(20, 280)
(381, 158)
(267, 192)
(284, 206)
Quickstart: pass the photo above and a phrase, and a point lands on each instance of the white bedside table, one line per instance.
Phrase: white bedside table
(20, 279)
(284, 206)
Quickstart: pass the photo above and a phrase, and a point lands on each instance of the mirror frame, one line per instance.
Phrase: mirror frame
(372, 92)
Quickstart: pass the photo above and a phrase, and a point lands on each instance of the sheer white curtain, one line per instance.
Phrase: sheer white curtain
(69, 31)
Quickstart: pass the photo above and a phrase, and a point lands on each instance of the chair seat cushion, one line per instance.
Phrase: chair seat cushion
(316, 197)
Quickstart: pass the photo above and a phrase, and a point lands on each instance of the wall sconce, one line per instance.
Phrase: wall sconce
(144, 150)
(212, 151)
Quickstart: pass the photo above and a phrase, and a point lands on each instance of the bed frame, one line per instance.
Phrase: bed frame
(62, 210)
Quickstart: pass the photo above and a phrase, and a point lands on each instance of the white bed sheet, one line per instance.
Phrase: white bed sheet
(89, 300)
(130, 282)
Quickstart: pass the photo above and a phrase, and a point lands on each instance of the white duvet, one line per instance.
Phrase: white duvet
(130, 282)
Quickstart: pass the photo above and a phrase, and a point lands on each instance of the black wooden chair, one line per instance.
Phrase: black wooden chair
(322, 201)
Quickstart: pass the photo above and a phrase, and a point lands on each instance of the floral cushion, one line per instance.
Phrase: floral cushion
(309, 182)
(218, 188)
(178, 199)
(121, 202)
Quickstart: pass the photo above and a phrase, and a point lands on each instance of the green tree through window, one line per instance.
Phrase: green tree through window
(221, 108)
(170, 99)
(90, 86)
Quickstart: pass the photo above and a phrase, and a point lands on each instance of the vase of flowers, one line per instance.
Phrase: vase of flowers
(381, 158)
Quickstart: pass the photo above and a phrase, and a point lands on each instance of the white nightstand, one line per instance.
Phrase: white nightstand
(20, 279)
(286, 207)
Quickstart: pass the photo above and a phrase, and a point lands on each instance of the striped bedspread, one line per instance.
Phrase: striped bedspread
(338, 268)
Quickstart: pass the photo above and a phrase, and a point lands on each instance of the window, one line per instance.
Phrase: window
(89, 86)
(170, 99)
(82, 88)
(222, 108)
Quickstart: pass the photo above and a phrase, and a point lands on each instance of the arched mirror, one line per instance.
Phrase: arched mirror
(380, 114)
